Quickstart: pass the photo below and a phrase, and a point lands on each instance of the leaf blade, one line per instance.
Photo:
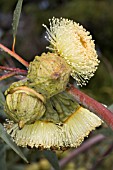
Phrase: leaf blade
(16, 18)
(52, 158)
(8, 140)
(3, 156)
(2, 100)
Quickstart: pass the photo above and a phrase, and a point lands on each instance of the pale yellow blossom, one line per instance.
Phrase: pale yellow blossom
(73, 43)
(48, 135)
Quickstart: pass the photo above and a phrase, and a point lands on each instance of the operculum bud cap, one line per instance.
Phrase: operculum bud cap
(23, 106)
(48, 74)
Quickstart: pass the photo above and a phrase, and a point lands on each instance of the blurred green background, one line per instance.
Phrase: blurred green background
(97, 17)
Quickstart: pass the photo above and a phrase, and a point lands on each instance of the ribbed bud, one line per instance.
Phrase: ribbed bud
(73, 43)
(23, 105)
(48, 74)
(64, 104)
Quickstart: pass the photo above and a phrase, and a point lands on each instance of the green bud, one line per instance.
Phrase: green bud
(50, 115)
(59, 108)
(23, 105)
(64, 104)
(15, 85)
(48, 74)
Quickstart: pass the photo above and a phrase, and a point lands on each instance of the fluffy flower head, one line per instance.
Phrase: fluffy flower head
(48, 135)
(73, 43)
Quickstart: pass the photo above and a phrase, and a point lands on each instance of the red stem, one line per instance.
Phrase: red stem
(13, 54)
(16, 70)
(92, 105)
(5, 76)
(13, 73)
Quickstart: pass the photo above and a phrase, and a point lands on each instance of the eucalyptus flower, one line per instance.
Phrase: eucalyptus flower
(42, 114)
(74, 44)
(48, 133)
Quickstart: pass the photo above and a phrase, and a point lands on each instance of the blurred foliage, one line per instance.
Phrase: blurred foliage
(96, 16)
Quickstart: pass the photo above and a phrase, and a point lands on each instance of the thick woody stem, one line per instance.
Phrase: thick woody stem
(92, 105)
(13, 54)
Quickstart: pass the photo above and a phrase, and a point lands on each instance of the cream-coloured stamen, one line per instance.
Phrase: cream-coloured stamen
(73, 43)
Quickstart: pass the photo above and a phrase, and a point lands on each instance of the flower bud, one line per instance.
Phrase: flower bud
(23, 105)
(48, 74)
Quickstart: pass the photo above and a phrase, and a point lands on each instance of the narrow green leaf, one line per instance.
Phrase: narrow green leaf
(106, 132)
(16, 17)
(2, 99)
(8, 140)
(110, 107)
(3, 157)
(52, 158)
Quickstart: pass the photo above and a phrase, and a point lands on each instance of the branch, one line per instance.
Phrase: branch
(16, 70)
(5, 76)
(13, 73)
(92, 105)
(13, 54)
(84, 147)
